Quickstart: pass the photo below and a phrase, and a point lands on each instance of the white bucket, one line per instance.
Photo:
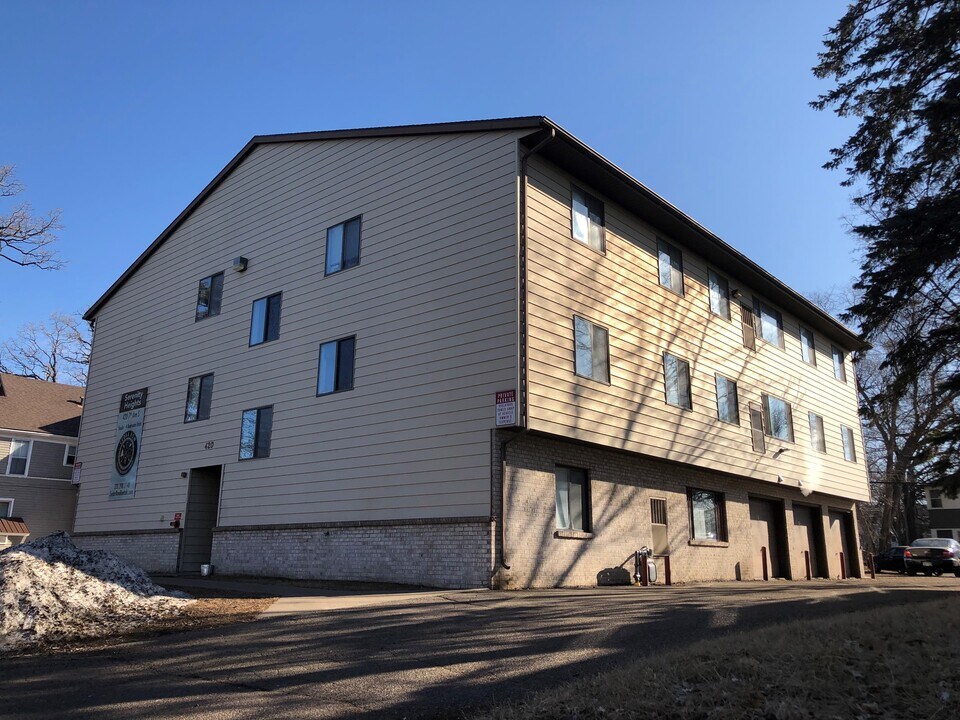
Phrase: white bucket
(206, 570)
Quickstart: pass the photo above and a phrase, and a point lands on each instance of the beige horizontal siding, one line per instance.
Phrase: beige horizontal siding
(432, 305)
(620, 290)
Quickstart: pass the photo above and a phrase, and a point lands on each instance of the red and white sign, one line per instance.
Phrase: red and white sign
(75, 477)
(506, 408)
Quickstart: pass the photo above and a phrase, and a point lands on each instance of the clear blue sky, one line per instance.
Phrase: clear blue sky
(120, 112)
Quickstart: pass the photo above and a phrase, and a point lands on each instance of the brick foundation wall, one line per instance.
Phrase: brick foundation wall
(621, 486)
(154, 551)
(449, 553)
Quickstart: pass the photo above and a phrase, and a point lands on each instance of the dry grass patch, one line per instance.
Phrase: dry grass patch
(894, 662)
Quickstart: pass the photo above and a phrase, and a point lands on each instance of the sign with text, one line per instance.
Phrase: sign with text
(126, 445)
(75, 476)
(506, 408)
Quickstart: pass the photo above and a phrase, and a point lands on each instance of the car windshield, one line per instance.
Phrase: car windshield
(933, 542)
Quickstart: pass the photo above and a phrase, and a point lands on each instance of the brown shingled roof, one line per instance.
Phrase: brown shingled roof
(13, 526)
(39, 406)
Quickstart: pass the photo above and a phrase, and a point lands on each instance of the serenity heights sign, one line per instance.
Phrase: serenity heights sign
(126, 451)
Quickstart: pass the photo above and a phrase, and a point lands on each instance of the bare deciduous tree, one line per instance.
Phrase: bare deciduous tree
(57, 350)
(26, 239)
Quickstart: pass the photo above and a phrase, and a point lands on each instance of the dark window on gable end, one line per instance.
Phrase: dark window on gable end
(335, 372)
(199, 398)
(256, 429)
(265, 320)
(209, 296)
(587, 219)
(343, 246)
(670, 261)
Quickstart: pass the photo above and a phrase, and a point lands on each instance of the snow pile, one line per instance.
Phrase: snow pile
(52, 590)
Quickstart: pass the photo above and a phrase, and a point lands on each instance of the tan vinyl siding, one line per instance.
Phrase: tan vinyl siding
(432, 305)
(621, 291)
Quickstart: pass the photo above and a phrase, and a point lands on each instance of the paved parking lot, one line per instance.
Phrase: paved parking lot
(422, 656)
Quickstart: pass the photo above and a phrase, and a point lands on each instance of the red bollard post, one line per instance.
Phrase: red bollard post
(873, 568)
(644, 571)
(843, 567)
(806, 562)
(666, 570)
(763, 562)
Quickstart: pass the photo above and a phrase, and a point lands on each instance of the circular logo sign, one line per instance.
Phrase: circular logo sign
(126, 452)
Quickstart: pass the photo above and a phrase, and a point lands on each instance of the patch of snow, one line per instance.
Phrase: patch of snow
(52, 590)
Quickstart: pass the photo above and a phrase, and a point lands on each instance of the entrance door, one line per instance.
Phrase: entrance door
(767, 526)
(203, 499)
(808, 538)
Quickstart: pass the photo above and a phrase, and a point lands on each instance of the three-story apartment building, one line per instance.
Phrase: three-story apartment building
(462, 354)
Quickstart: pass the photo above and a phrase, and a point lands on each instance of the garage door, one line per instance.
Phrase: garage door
(841, 541)
(808, 538)
(766, 524)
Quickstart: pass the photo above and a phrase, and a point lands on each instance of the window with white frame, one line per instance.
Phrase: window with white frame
(591, 350)
(936, 498)
(6, 507)
(70, 455)
(18, 458)
(587, 220)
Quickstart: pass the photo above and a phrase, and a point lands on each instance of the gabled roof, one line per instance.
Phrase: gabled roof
(583, 162)
(38, 406)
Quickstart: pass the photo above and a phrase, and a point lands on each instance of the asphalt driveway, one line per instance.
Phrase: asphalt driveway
(423, 656)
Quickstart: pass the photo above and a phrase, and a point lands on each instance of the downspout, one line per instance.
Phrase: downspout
(522, 341)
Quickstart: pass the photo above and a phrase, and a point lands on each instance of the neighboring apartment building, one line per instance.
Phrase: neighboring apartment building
(462, 354)
(39, 425)
(944, 514)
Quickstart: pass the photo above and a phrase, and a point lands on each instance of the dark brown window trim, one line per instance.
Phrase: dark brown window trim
(603, 234)
(663, 369)
(609, 381)
(730, 298)
(722, 531)
(683, 279)
(736, 397)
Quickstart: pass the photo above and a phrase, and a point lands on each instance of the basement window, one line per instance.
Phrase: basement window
(708, 517)
(573, 499)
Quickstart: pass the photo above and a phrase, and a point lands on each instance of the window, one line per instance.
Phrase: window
(777, 418)
(19, 457)
(707, 516)
(209, 296)
(817, 440)
(948, 534)
(70, 455)
(770, 323)
(756, 429)
(255, 430)
(265, 321)
(199, 397)
(573, 499)
(6, 507)
(728, 409)
(936, 498)
(849, 452)
(658, 526)
(719, 295)
(587, 219)
(807, 351)
(676, 381)
(671, 266)
(343, 246)
(591, 350)
(336, 366)
(839, 367)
